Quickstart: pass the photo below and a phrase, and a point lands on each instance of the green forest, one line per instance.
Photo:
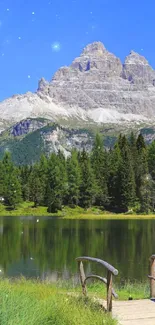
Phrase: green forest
(119, 180)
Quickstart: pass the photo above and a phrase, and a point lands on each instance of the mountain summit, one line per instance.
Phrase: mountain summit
(95, 88)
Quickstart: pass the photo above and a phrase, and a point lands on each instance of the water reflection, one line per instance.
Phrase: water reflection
(48, 248)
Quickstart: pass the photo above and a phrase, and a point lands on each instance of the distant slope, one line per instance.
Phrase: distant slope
(28, 139)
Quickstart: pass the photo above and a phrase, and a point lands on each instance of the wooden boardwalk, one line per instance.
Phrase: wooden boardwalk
(131, 312)
(134, 312)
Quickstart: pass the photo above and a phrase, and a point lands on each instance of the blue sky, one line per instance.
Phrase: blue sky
(30, 29)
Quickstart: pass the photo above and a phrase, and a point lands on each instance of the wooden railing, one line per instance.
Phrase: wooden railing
(110, 272)
(152, 276)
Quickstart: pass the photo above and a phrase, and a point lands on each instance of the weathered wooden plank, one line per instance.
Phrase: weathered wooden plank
(82, 279)
(108, 266)
(109, 291)
(135, 312)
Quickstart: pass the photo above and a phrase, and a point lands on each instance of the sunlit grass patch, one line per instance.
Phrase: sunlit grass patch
(94, 213)
(34, 303)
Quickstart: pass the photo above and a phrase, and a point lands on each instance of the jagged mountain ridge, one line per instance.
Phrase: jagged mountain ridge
(95, 88)
(29, 138)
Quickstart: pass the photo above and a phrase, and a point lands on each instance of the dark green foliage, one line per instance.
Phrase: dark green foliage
(87, 185)
(13, 196)
(56, 182)
(10, 185)
(98, 160)
(36, 190)
(74, 177)
(24, 178)
(42, 174)
(121, 183)
(126, 193)
(114, 162)
(117, 180)
(27, 150)
(151, 159)
(2, 180)
(141, 173)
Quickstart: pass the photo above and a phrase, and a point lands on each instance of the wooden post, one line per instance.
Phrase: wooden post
(152, 281)
(82, 279)
(109, 291)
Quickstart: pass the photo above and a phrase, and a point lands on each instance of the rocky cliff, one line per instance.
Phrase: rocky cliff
(29, 138)
(95, 88)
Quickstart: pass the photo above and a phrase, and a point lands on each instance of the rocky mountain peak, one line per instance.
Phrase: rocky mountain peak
(42, 84)
(96, 48)
(95, 88)
(136, 58)
(137, 70)
(94, 59)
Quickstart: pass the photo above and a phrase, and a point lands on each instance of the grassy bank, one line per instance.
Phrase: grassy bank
(27, 209)
(34, 303)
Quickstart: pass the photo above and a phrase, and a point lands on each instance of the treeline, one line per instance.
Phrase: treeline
(118, 180)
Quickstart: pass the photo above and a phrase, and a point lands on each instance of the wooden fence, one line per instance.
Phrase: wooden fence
(108, 281)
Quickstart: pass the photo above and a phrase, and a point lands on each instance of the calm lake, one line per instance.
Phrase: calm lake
(47, 248)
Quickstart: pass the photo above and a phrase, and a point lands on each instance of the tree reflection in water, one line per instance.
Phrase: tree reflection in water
(49, 248)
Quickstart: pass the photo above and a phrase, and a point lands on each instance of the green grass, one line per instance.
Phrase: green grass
(34, 303)
(24, 302)
(27, 209)
(135, 290)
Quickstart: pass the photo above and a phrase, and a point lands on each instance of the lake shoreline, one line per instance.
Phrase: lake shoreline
(94, 213)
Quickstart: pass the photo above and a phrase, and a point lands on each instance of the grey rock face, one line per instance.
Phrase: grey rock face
(137, 70)
(27, 126)
(95, 88)
(64, 140)
(96, 59)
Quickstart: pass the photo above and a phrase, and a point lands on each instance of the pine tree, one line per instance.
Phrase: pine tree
(146, 191)
(114, 162)
(42, 173)
(87, 186)
(151, 159)
(2, 179)
(55, 186)
(151, 167)
(73, 177)
(122, 189)
(14, 192)
(24, 178)
(63, 174)
(98, 160)
(133, 151)
(142, 174)
(11, 182)
(35, 186)
(8, 169)
(126, 179)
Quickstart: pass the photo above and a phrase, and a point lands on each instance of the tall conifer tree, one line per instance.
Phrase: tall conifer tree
(88, 185)
(98, 160)
(73, 175)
